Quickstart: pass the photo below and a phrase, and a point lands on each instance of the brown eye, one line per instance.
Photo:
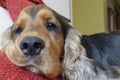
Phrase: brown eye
(18, 30)
(52, 27)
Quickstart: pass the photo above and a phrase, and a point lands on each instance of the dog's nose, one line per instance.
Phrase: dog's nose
(32, 46)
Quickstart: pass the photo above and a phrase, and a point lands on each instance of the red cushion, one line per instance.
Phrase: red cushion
(9, 71)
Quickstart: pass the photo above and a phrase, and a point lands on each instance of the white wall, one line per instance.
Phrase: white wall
(63, 7)
(5, 21)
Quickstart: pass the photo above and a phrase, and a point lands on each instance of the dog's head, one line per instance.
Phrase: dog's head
(36, 40)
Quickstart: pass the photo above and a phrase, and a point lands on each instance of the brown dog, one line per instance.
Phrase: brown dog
(44, 43)
(36, 41)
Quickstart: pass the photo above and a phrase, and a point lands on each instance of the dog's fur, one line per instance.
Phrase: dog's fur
(66, 51)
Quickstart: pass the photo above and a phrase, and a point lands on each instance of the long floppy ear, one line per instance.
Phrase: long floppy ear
(71, 53)
(5, 38)
(76, 65)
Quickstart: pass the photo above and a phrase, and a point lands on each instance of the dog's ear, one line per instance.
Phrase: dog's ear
(5, 38)
(75, 63)
(72, 51)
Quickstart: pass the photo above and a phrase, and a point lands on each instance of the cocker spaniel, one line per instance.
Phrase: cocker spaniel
(44, 43)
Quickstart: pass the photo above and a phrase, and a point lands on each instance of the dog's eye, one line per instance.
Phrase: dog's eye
(18, 30)
(52, 27)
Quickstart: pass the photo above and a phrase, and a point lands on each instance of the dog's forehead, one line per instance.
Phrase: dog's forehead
(39, 10)
(33, 13)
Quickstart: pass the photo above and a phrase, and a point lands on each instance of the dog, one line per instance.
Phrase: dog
(44, 43)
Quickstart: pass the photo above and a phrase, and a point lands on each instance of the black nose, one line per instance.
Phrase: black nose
(32, 46)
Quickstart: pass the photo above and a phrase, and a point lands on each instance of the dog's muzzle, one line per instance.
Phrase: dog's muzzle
(32, 46)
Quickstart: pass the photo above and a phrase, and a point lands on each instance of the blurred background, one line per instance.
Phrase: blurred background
(94, 16)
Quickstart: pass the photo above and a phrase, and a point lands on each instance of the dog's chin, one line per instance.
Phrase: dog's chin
(40, 73)
(35, 70)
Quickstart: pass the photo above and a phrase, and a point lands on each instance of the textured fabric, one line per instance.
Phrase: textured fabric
(3, 3)
(9, 71)
(15, 6)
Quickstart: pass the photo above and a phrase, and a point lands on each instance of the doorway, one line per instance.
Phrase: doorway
(113, 11)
